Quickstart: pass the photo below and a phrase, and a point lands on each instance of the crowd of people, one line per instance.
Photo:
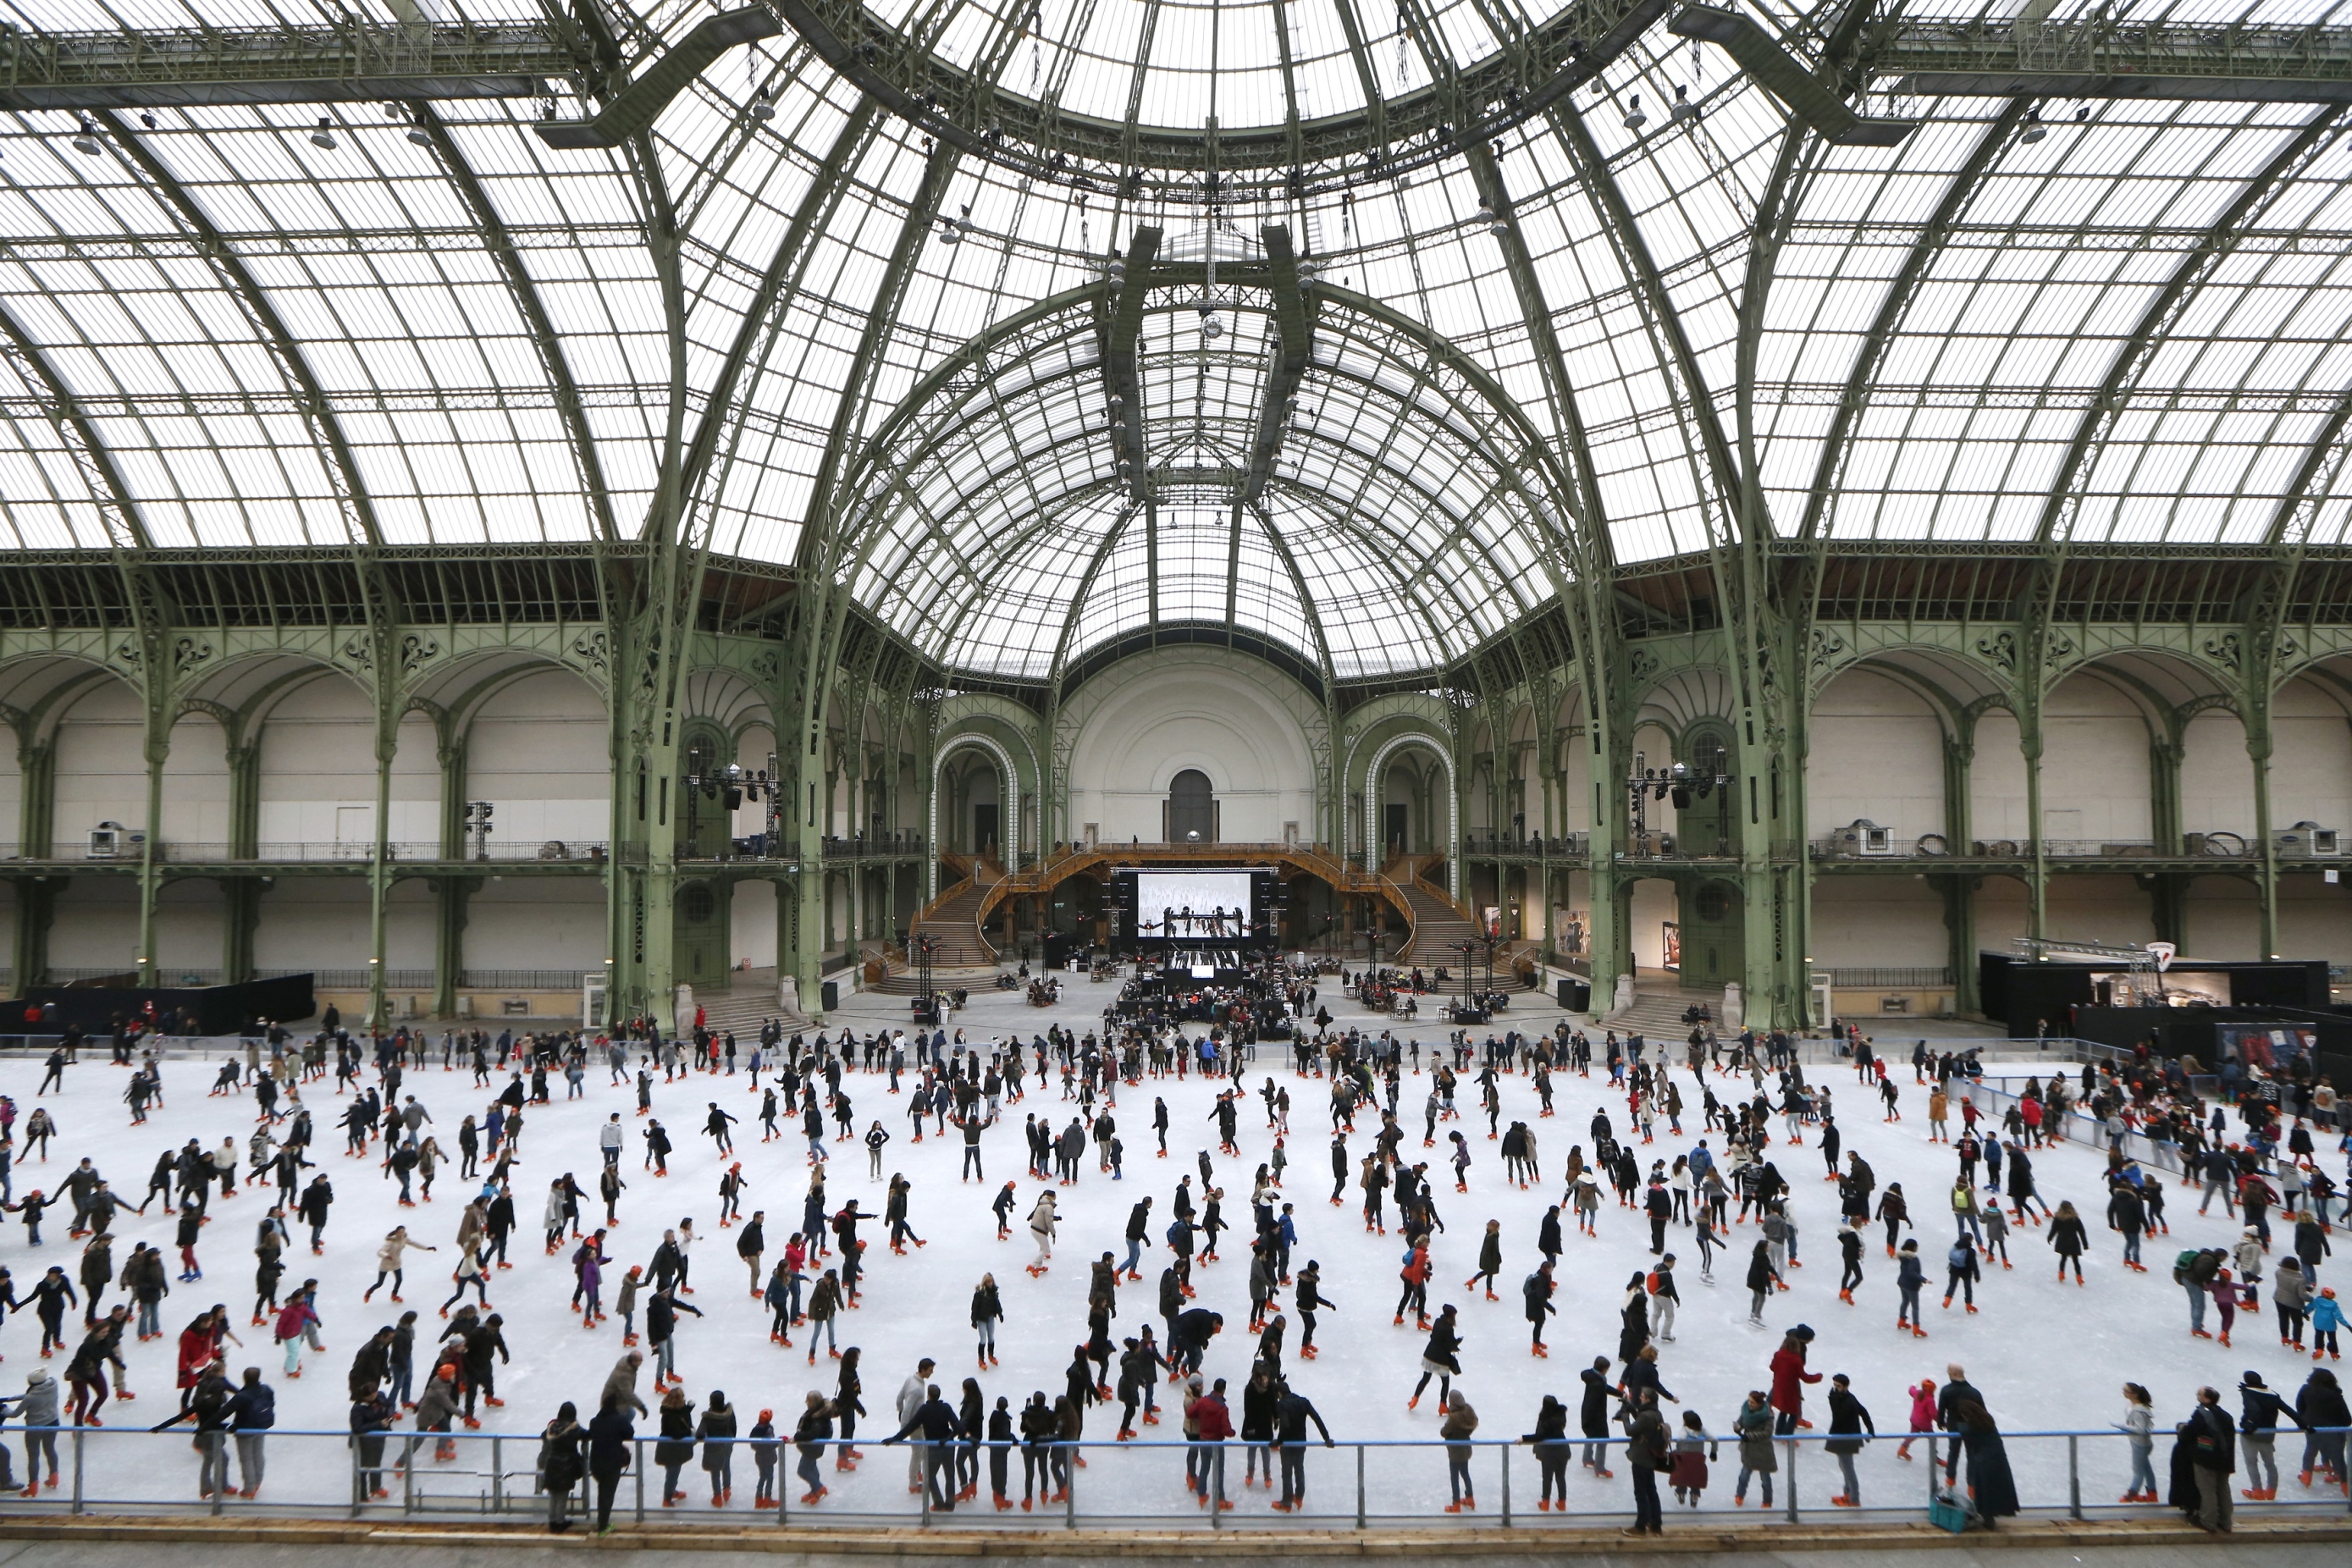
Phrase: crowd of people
(1752, 1105)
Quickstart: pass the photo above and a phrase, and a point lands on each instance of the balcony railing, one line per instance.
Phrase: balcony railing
(197, 852)
(1883, 843)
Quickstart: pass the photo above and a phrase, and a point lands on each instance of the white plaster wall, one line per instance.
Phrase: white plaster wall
(1193, 713)
(2225, 919)
(538, 752)
(2311, 767)
(188, 930)
(95, 925)
(102, 769)
(2099, 909)
(751, 933)
(2216, 781)
(1654, 904)
(1997, 782)
(317, 923)
(2095, 763)
(2315, 920)
(318, 770)
(196, 784)
(2000, 908)
(1877, 751)
(536, 922)
(1577, 802)
(1884, 922)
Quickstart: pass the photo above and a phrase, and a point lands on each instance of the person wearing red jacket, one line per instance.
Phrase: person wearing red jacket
(1415, 1278)
(1212, 1424)
(1789, 1380)
(196, 1353)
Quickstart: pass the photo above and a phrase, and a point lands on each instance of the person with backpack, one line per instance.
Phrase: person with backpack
(2193, 1270)
(1961, 1274)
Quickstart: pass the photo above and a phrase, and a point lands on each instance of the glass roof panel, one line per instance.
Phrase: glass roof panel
(1396, 521)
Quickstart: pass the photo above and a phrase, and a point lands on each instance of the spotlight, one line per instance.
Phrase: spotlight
(416, 135)
(763, 109)
(1683, 110)
(1211, 327)
(1634, 118)
(323, 137)
(86, 140)
(149, 121)
(2034, 130)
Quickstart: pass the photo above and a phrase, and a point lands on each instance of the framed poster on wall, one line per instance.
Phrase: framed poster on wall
(1670, 942)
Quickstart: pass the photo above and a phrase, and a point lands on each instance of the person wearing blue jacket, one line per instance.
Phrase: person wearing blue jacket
(2327, 1318)
(252, 1412)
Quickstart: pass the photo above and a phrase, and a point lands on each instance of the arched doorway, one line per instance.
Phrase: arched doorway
(1191, 810)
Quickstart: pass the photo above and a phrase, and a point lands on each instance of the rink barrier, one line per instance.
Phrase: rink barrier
(501, 1469)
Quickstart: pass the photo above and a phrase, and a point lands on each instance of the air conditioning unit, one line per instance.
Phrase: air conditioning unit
(2309, 841)
(1863, 837)
(112, 841)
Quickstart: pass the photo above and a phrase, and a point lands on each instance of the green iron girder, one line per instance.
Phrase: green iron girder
(965, 108)
(632, 111)
(350, 62)
(1122, 384)
(1786, 79)
(2120, 54)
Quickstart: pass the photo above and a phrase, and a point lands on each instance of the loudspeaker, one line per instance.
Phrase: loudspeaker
(829, 994)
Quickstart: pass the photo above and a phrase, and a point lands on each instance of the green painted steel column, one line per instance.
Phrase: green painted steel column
(2261, 740)
(387, 742)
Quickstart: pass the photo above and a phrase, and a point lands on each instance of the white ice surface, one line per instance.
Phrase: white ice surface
(2048, 1356)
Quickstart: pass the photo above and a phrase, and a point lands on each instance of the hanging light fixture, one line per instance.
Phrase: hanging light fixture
(1684, 112)
(1634, 118)
(323, 137)
(86, 138)
(763, 109)
(2034, 130)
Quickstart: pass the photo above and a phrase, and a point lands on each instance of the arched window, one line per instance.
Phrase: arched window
(1192, 808)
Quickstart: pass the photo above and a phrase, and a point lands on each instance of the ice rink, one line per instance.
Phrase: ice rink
(2048, 1356)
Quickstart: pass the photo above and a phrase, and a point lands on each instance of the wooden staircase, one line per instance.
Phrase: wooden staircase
(953, 918)
(1438, 926)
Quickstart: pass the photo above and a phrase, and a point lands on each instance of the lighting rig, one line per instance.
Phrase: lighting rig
(731, 786)
(1681, 783)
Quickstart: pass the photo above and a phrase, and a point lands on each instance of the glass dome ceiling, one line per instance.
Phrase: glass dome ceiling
(216, 333)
